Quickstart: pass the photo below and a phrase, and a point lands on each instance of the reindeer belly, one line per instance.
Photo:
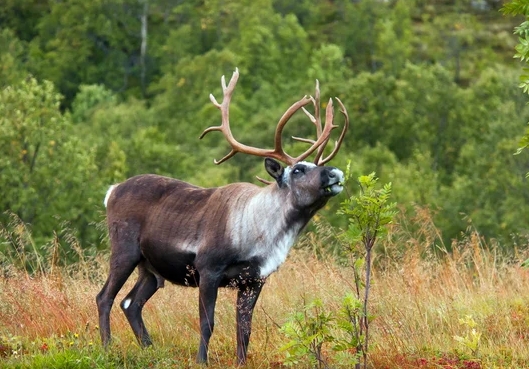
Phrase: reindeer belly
(176, 267)
(241, 272)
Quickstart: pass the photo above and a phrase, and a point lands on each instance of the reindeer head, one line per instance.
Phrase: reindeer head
(309, 183)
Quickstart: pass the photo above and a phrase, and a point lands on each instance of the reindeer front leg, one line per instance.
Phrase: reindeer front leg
(246, 299)
(208, 290)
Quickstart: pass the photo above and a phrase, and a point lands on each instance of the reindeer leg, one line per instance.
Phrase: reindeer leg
(132, 305)
(246, 300)
(208, 290)
(124, 258)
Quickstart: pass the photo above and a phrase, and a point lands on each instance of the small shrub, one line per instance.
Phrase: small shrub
(346, 331)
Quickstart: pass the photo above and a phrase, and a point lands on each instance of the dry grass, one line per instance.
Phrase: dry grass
(417, 303)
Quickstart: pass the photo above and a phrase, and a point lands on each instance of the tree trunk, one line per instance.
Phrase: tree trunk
(143, 49)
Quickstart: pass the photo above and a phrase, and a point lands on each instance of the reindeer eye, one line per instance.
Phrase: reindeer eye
(298, 170)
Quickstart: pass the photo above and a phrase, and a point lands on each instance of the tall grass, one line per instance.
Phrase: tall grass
(429, 305)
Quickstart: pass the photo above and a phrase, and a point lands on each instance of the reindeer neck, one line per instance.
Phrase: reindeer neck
(264, 224)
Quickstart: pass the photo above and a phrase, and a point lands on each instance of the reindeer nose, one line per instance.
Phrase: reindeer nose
(335, 174)
(331, 175)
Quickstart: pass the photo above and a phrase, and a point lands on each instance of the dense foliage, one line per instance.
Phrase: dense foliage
(521, 7)
(97, 91)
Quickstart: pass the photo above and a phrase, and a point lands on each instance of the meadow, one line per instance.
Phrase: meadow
(467, 308)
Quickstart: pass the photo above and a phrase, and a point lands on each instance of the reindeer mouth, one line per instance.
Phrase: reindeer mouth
(333, 188)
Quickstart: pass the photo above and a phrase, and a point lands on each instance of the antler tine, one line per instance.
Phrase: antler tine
(316, 102)
(338, 143)
(318, 124)
(231, 153)
(224, 106)
(265, 181)
(312, 119)
(223, 79)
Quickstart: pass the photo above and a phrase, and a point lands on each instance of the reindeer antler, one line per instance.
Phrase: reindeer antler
(323, 134)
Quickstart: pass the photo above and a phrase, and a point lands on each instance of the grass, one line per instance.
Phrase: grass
(464, 309)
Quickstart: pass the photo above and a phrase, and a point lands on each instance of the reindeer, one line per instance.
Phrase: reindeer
(230, 236)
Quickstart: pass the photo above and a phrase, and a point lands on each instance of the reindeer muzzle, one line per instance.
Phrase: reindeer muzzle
(332, 181)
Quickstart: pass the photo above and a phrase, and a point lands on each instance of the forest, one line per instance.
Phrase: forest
(95, 92)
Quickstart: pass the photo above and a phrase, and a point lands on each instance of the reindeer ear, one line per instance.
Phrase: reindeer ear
(274, 169)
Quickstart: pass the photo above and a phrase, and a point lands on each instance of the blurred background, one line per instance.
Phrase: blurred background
(93, 92)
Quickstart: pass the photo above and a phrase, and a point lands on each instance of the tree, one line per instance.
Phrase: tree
(46, 172)
(521, 7)
(83, 42)
(22, 17)
(12, 56)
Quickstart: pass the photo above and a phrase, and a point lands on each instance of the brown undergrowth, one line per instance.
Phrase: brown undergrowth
(431, 308)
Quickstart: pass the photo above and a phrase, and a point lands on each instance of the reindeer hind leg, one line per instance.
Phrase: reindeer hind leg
(132, 305)
(124, 258)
